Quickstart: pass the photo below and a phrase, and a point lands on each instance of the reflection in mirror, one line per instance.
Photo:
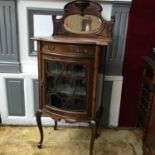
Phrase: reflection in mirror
(82, 24)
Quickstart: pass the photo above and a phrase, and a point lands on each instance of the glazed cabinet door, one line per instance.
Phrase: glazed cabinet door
(67, 85)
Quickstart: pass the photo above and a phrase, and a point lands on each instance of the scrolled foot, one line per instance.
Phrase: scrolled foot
(39, 146)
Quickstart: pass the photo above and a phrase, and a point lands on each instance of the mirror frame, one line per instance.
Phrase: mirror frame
(68, 28)
(83, 7)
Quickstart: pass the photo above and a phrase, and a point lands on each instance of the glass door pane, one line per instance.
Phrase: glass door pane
(66, 85)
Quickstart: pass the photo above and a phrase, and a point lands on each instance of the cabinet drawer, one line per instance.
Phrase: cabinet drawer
(68, 50)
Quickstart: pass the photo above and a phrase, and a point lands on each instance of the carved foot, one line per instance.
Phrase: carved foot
(93, 125)
(38, 119)
(39, 146)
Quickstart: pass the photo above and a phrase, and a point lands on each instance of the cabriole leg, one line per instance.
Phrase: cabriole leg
(93, 125)
(38, 119)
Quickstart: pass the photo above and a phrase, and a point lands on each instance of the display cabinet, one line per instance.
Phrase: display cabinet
(68, 66)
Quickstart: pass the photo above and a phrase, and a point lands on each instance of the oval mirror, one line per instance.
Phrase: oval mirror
(82, 24)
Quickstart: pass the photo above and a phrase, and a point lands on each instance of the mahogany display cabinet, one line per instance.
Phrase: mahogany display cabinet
(68, 66)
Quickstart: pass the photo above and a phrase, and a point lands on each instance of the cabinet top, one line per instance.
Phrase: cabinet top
(73, 40)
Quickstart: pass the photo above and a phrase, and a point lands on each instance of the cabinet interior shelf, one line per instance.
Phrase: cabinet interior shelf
(65, 101)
